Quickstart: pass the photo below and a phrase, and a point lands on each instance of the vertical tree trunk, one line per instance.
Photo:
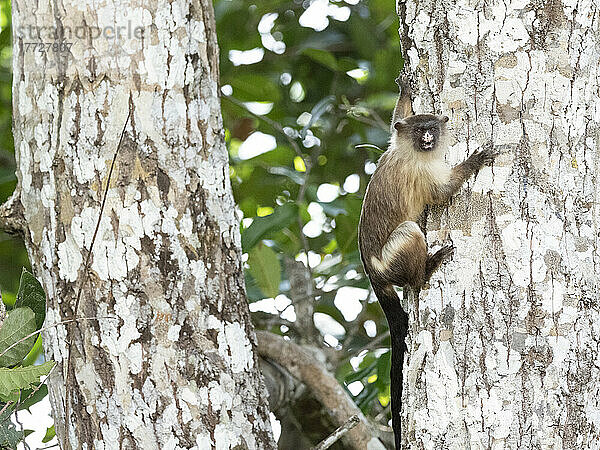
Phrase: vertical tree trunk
(169, 363)
(504, 346)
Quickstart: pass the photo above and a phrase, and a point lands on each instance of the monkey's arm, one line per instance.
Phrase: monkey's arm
(404, 103)
(461, 173)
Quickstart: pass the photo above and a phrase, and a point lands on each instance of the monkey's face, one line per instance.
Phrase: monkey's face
(424, 130)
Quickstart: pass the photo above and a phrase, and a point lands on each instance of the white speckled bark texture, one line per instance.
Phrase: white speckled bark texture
(169, 364)
(503, 350)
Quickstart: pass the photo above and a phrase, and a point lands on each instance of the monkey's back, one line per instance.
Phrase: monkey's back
(398, 191)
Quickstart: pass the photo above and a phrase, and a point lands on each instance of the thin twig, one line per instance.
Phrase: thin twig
(371, 345)
(337, 434)
(86, 267)
(6, 405)
(25, 445)
(62, 322)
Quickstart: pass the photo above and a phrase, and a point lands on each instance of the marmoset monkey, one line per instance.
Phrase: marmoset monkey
(411, 174)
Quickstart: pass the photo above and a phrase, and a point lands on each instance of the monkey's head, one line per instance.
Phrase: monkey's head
(425, 131)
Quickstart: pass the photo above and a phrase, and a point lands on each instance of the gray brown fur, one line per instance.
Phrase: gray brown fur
(406, 180)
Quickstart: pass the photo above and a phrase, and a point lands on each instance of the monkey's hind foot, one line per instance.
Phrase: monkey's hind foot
(435, 260)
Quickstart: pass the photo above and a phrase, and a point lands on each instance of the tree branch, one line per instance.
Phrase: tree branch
(302, 294)
(304, 367)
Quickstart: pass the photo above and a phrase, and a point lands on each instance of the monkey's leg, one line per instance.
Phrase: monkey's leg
(435, 261)
(403, 256)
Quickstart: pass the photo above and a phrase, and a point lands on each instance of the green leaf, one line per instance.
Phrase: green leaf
(50, 433)
(265, 269)
(384, 365)
(362, 373)
(254, 88)
(346, 233)
(322, 57)
(22, 377)
(27, 401)
(19, 323)
(9, 436)
(12, 397)
(295, 176)
(366, 397)
(380, 100)
(33, 354)
(9, 298)
(32, 295)
(261, 227)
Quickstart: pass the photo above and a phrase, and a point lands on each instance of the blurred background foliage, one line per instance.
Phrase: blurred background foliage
(13, 256)
(307, 93)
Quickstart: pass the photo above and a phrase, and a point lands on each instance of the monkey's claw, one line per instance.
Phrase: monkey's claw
(488, 155)
(445, 253)
(434, 261)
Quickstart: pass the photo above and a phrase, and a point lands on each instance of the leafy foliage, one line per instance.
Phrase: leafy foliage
(263, 227)
(14, 340)
(29, 397)
(19, 378)
(325, 97)
(50, 433)
(20, 386)
(9, 435)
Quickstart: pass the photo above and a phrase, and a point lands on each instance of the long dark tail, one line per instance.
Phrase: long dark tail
(398, 325)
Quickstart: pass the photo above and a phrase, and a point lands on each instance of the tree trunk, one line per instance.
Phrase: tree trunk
(169, 361)
(504, 344)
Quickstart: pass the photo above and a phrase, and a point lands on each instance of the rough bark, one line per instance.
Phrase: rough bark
(174, 367)
(504, 344)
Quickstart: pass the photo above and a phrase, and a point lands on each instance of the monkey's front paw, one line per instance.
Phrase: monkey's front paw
(445, 253)
(488, 155)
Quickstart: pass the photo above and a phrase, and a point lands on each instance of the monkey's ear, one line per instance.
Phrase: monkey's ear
(444, 119)
(400, 124)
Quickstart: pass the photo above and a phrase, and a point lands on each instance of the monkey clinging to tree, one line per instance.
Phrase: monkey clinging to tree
(411, 174)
